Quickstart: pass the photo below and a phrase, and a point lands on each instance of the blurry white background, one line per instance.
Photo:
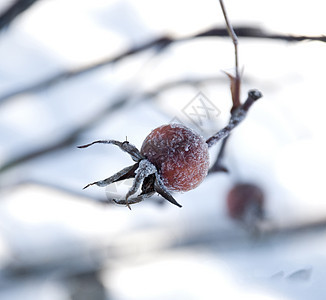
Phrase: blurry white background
(57, 241)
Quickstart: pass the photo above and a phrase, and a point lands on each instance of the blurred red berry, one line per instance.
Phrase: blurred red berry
(180, 155)
(245, 202)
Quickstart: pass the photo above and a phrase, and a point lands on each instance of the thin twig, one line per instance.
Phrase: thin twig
(235, 91)
(233, 37)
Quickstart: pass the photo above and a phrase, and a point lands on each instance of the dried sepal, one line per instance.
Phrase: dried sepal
(162, 190)
(126, 173)
(124, 146)
(144, 169)
(145, 174)
(235, 86)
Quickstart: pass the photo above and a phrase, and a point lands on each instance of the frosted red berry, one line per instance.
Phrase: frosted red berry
(180, 155)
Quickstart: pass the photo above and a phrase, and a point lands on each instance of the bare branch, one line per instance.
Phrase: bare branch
(71, 137)
(159, 44)
(235, 85)
(218, 165)
(259, 33)
(14, 10)
(236, 118)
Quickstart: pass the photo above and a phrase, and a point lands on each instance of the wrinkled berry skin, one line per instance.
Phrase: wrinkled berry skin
(180, 155)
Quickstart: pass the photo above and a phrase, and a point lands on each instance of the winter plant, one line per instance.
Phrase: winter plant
(173, 157)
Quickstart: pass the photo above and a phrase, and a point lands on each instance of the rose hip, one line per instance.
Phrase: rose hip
(179, 154)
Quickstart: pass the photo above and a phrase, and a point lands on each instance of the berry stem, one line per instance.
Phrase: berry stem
(235, 80)
(218, 165)
(237, 117)
(233, 36)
